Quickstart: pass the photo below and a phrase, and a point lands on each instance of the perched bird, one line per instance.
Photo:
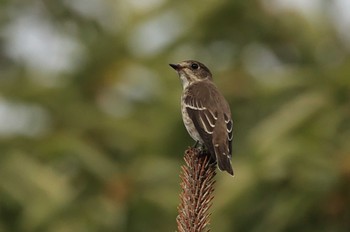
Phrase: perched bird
(205, 112)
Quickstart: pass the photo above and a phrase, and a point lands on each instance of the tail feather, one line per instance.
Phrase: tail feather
(224, 159)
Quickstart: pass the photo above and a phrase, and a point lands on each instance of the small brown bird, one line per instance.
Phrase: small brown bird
(205, 112)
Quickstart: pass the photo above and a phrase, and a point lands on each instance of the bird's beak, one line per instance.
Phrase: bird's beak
(175, 66)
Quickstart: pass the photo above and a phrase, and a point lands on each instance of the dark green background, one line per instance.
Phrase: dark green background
(91, 137)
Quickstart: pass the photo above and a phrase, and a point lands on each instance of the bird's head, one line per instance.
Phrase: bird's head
(191, 71)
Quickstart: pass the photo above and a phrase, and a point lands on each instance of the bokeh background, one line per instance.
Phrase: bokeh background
(91, 137)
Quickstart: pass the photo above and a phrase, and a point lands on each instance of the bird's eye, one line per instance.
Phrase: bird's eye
(194, 66)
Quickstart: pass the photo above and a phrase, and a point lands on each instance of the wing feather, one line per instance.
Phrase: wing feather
(206, 107)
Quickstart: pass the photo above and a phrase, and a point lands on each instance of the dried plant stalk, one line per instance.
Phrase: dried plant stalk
(197, 192)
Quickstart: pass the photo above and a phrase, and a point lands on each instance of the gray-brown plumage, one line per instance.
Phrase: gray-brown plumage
(205, 112)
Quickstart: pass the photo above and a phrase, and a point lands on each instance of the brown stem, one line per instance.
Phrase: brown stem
(197, 183)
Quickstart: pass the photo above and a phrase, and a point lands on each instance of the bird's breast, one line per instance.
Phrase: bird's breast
(191, 129)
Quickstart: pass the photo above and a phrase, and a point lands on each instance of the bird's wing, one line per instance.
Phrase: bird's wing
(229, 128)
(203, 118)
(204, 107)
(222, 140)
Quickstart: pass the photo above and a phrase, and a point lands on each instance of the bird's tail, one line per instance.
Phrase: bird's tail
(223, 158)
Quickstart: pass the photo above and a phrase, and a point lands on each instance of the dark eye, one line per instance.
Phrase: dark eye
(194, 66)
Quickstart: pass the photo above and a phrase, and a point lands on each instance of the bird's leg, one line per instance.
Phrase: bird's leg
(195, 144)
(202, 150)
(198, 146)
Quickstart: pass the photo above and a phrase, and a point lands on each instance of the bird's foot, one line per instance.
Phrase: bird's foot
(203, 151)
(196, 144)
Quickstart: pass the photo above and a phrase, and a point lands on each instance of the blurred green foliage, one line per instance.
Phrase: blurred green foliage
(90, 126)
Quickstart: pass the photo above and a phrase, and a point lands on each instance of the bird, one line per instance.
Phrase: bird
(205, 112)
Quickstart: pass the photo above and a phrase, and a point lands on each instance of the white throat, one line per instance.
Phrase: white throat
(184, 81)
